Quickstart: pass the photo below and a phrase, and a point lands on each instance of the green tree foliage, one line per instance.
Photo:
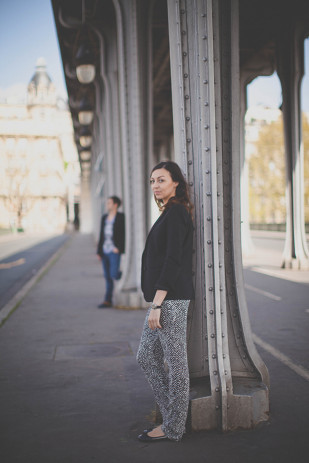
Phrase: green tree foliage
(267, 175)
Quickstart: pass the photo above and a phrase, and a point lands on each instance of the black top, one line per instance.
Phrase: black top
(167, 257)
(118, 233)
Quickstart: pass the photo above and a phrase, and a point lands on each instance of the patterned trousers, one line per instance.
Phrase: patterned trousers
(171, 389)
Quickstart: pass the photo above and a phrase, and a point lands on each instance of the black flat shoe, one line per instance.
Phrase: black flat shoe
(145, 438)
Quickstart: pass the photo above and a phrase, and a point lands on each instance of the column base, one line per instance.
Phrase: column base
(247, 407)
(296, 263)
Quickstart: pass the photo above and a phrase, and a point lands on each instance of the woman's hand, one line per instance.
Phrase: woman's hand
(116, 250)
(154, 319)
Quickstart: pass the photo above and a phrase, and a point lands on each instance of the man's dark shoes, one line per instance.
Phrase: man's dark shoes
(105, 305)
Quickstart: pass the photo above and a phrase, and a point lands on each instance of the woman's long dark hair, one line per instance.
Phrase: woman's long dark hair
(182, 189)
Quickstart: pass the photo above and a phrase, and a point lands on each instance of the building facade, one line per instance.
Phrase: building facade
(39, 175)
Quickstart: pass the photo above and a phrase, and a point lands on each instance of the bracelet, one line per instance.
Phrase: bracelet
(155, 306)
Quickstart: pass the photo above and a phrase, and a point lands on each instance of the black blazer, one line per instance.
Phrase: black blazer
(118, 233)
(167, 257)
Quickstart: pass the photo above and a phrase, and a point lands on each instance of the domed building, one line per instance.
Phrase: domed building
(39, 176)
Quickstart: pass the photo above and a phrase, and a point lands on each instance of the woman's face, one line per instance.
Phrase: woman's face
(163, 185)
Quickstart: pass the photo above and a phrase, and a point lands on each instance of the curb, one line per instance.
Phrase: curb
(16, 300)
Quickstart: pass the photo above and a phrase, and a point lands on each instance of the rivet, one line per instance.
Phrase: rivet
(227, 388)
(182, 11)
(220, 265)
(234, 314)
(209, 265)
(205, 59)
(204, 37)
(206, 104)
(222, 312)
(208, 194)
(219, 218)
(218, 194)
(205, 81)
(225, 372)
(244, 356)
(210, 288)
(208, 218)
(191, 183)
(224, 356)
(188, 140)
(206, 358)
(221, 289)
(217, 389)
(187, 118)
(185, 75)
(207, 172)
(215, 372)
(203, 15)
(206, 126)
(207, 149)
(213, 356)
(184, 32)
(217, 407)
(190, 162)
(211, 311)
(187, 97)
(219, 242)
(208, 241)
(212, 335)
(223, 335)
(228, 406)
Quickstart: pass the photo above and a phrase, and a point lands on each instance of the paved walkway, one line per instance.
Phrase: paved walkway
(71, 391)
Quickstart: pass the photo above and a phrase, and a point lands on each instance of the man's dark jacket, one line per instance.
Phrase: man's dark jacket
(118, 233)
(167, 257)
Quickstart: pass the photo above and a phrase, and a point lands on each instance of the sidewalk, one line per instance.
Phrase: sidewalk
(71, 391)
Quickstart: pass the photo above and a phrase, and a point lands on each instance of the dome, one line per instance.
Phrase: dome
(40, 77)
(41, 90)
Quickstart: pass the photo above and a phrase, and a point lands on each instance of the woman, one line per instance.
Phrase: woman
(167, 283)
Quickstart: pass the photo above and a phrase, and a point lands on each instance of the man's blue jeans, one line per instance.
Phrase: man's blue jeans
(111, 264)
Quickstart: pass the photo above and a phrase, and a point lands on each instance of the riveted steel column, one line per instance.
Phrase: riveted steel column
(228, 377)
(130, 40)
(290, 52)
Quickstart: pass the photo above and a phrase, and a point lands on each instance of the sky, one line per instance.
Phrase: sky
(27, 32)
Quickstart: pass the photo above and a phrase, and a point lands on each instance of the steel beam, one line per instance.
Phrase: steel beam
(229, 380)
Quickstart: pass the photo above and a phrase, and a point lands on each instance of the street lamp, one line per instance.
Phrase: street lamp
(85, 69)
(85, 137)
(85, 155)
(85, 112)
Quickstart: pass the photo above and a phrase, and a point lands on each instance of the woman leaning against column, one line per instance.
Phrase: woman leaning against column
(167, 284)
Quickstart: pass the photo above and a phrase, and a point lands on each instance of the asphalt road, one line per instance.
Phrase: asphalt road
(16, 269)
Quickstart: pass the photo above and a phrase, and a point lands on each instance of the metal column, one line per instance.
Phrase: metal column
(290, 52)
(229, 380)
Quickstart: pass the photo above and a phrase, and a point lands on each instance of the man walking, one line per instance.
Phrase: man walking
(111, 246)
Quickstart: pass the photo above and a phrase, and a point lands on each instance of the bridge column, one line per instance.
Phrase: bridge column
(229, 379)
(290, 53)
(132, 38)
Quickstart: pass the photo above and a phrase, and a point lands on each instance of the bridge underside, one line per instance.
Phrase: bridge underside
(171, 82)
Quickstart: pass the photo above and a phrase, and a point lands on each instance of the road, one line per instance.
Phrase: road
(22, 256)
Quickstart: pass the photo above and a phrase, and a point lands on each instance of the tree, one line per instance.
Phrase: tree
(267, 176)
